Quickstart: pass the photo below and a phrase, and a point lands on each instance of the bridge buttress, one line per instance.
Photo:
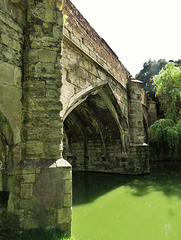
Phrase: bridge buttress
(139, 152)
(39, 185)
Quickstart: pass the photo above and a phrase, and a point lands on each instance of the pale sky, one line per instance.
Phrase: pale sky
(136, 30)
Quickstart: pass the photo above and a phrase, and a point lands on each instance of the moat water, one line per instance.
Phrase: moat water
(108, 207)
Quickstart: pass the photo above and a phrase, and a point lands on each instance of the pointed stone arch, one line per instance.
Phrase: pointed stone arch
(95, 129)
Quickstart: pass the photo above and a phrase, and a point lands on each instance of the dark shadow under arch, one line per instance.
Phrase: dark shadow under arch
(6, 159)
(94, 127)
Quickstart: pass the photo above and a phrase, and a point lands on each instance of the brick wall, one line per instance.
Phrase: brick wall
(89, 41)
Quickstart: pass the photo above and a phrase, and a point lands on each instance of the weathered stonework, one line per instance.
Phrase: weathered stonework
(56, 81)
(152, 113)
(11, 44)
(34, 185)
(103, 108)
(44, 197)
(42, 81)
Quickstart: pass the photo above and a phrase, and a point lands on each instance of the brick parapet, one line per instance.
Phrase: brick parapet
(85, 37)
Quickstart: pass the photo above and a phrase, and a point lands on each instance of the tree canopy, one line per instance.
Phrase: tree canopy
(167, 131)
(168, 89)
(150, 69)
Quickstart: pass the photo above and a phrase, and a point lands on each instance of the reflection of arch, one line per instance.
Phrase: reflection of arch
(94, 125)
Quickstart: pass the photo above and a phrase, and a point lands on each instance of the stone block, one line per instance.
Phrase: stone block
(64, 215)
(51, 150)
(6, 40)
(57, 31)
(43, 177)
(67, 175)
(34, 85)
(66, 32)
(55, 176)
(102, 75)
(16, 45)
(43, 104)
(26, 190)
(26, 204)
(9, 55)
(6, 73)
(68, 186)
(25, 171)
(67, 200)
(85, 48)
(47, 56)
(36, 92)
(17, 76)
(32, 56)
(12, 108)
(43, 134)
(34, 147)
(75, 39)
(38, 68)
(48, 67)
(51, 93)
(28, 178)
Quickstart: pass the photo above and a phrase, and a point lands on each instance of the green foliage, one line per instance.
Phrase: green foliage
(169, 132)
(157, 130)
(42, 234)
(150, 69)
(65, 23)
(168, 89)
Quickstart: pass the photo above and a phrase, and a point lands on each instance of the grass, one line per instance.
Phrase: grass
(41, 234)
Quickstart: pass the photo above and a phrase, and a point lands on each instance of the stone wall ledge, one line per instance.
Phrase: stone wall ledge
(43, 164)
(61, 163)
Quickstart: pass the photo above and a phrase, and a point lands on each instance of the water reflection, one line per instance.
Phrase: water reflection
(89, 186)
(107, 207)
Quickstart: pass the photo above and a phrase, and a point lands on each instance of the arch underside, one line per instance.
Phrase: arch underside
(6, 161)
(95, 131)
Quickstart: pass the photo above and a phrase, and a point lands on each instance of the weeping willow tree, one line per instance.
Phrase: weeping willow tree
(167, 132)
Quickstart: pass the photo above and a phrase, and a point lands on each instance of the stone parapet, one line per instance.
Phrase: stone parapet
(85, 37)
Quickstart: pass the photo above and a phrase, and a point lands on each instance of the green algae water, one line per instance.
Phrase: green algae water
(114, 207)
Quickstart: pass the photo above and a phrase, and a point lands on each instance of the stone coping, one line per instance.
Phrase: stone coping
(43, 163)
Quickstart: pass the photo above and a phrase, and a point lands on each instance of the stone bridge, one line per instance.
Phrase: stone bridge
(64, 94)
(102, 103)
